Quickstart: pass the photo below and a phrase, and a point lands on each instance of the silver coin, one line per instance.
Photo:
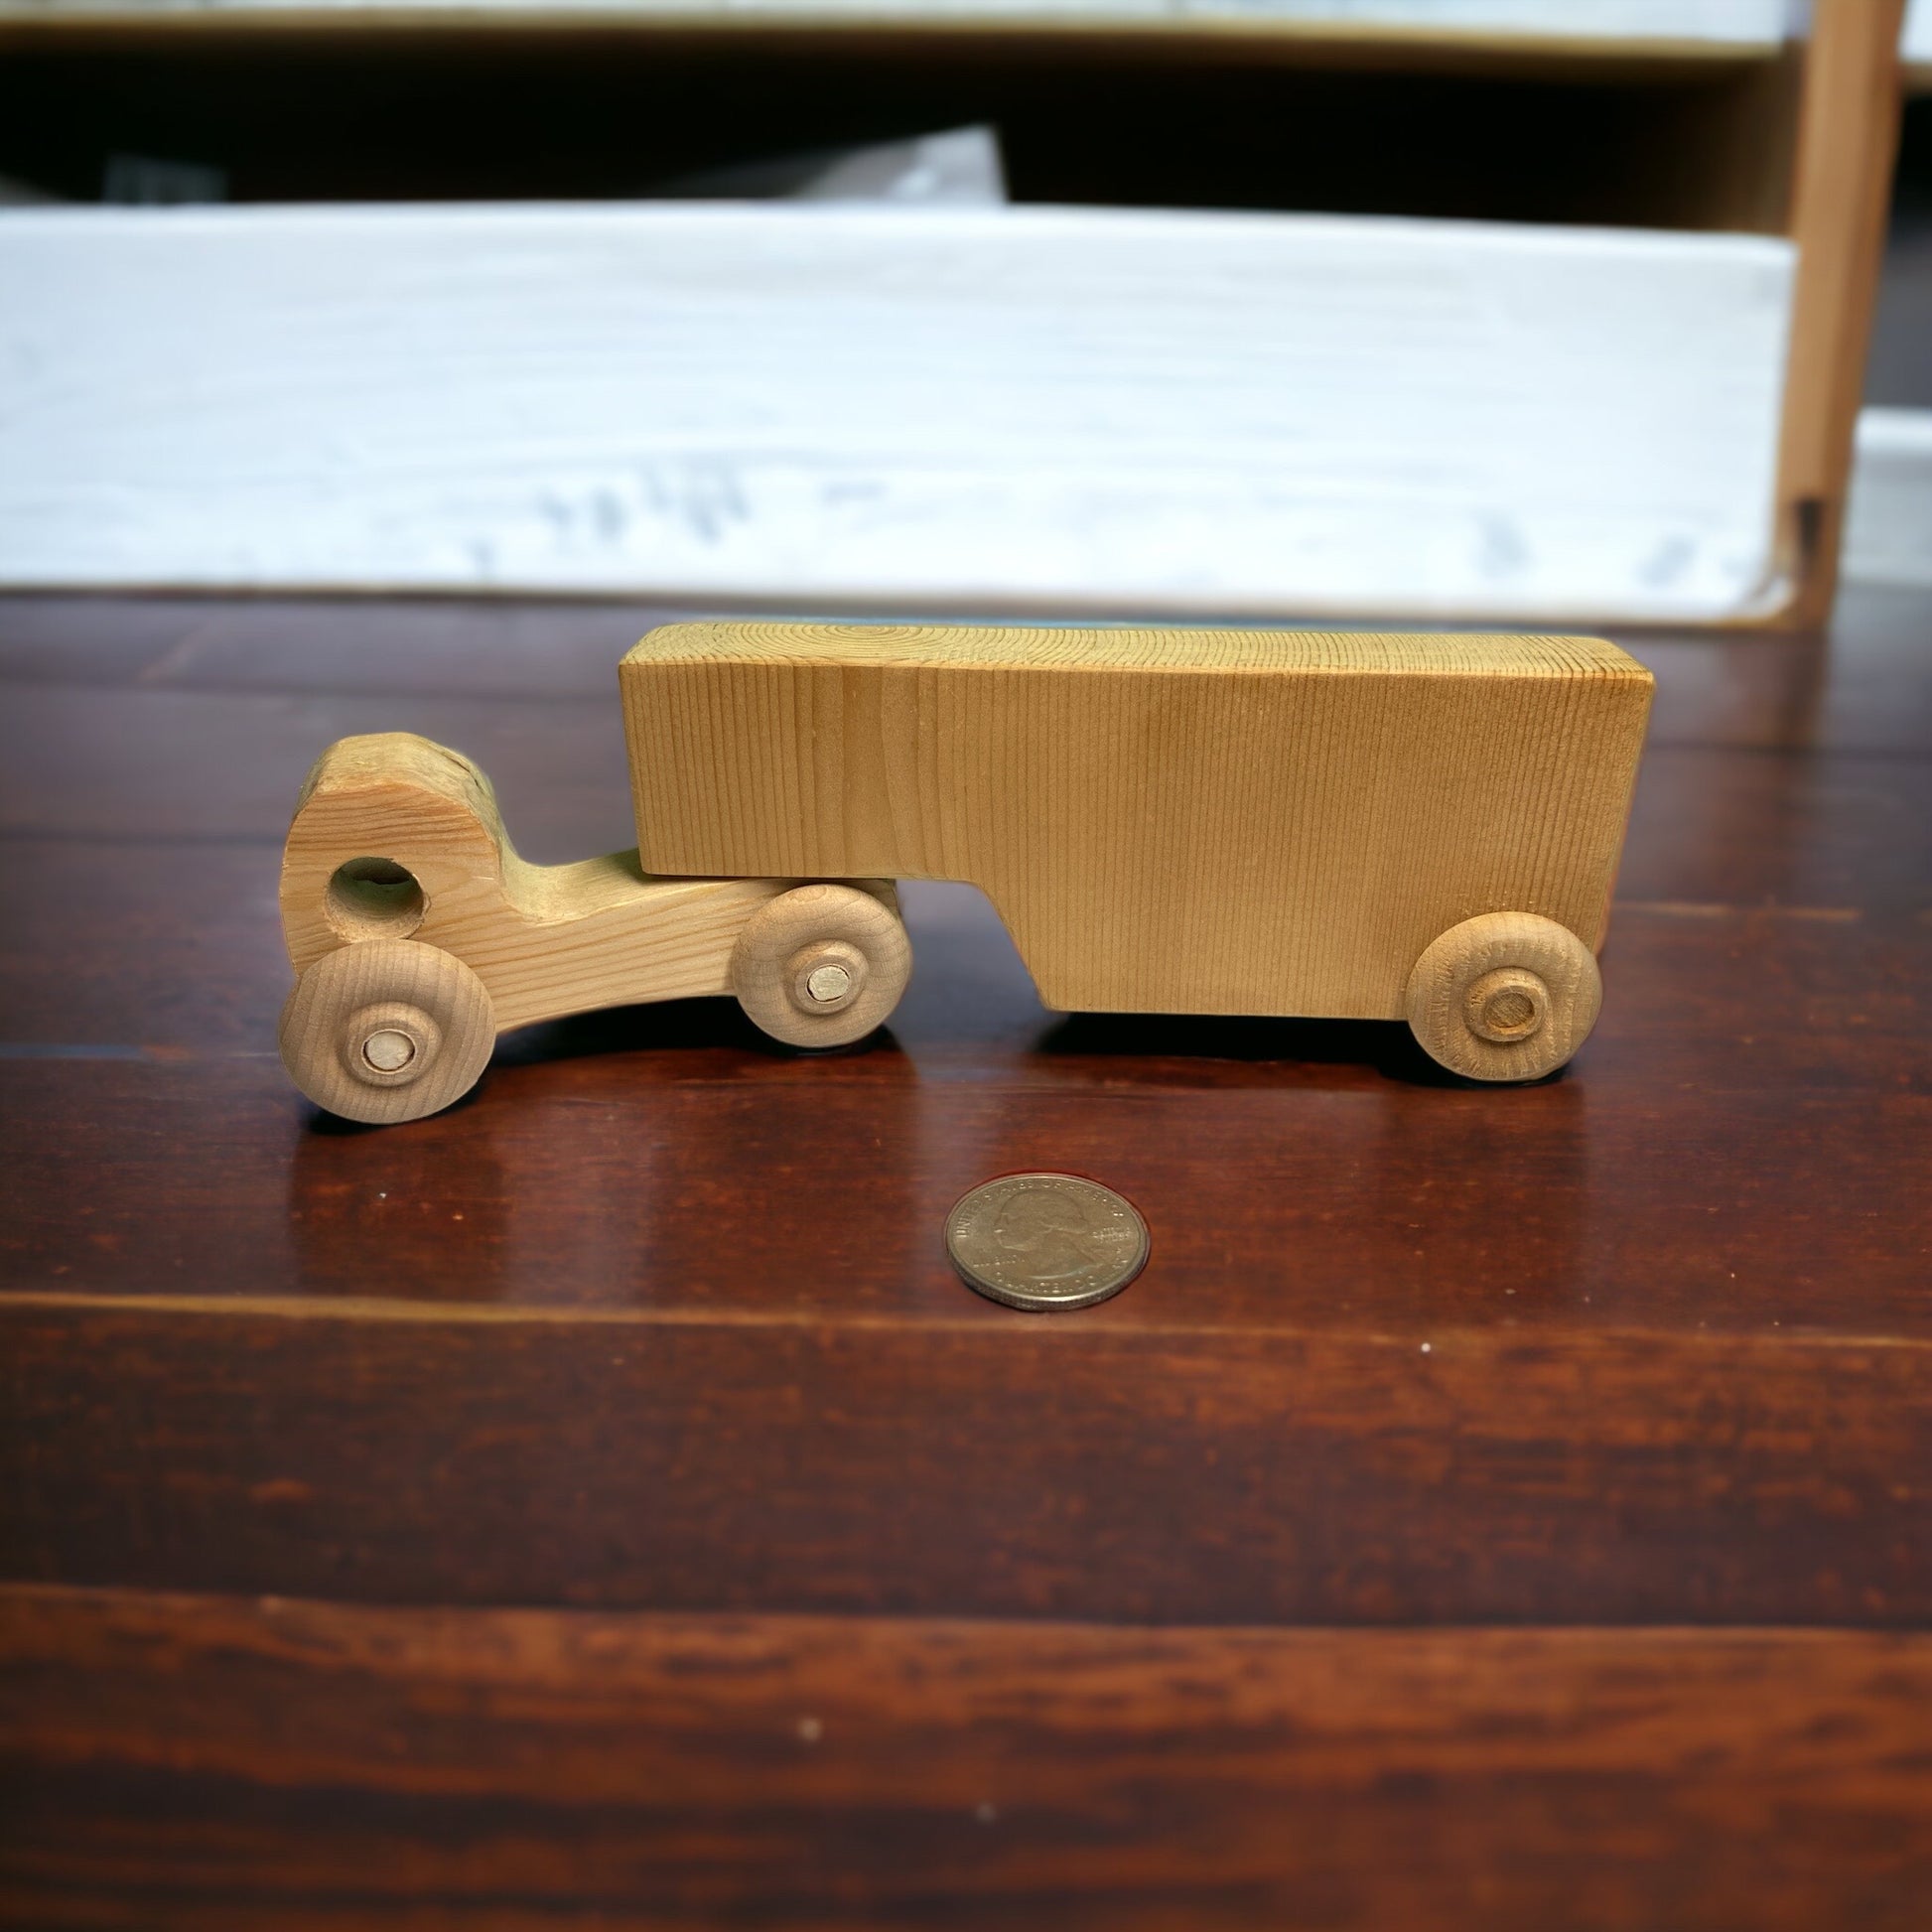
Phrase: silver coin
(1045, 1241)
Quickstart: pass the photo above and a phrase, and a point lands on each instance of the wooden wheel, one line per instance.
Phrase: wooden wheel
(1506, 997)
(821, 965)
(387, 1030)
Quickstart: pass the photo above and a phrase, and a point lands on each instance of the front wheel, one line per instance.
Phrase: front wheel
(821, 965)
(387, 1030)
(1509, 995)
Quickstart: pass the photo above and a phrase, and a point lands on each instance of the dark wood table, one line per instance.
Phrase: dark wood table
(601, 1504)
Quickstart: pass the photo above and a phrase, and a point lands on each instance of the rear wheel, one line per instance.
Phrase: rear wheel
(821, 965)
(387, 1030)
(1509, 995)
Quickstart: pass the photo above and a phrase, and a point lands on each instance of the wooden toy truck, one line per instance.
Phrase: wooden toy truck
(1168, 821)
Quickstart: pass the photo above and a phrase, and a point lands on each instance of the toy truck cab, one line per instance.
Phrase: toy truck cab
(1168, 821)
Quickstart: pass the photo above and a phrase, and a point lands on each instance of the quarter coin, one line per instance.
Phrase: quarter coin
(1045, 1241)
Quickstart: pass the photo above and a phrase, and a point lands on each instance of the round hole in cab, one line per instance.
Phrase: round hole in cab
(375, 898)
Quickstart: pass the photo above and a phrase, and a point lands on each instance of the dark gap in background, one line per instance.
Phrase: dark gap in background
(1899, 372)
(594, 115)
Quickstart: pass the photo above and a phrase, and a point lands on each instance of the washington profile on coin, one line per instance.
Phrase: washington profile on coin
(1045, 1241)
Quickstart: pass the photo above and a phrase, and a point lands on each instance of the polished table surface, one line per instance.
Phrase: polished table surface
(602, 1504)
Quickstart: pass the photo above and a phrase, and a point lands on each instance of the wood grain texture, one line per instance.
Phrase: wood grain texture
(658, 1318)
(180, 1761)
(965, 1462)
(1298, 1178)
(1769, 1022)
(1168, 821)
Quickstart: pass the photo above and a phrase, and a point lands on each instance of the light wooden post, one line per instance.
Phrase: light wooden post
(1848, 137)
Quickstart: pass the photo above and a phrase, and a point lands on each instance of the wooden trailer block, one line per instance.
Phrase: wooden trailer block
(1175, 821)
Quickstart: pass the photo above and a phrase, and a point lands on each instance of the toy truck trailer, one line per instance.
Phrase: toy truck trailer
(1349, 825)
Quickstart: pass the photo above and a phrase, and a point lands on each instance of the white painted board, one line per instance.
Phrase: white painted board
(1043, 406)
(1729, 22)
(1916, 40)
(1889, 530)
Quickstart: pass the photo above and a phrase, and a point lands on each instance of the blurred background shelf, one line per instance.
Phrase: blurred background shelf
(1231, 107)
(1462, 126)
(1396, 28)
